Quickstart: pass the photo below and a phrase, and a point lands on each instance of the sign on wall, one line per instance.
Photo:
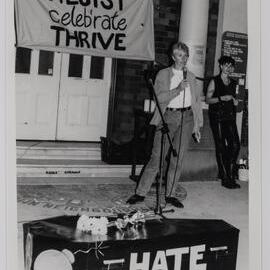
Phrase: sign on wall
(235, 45)
(110, 28)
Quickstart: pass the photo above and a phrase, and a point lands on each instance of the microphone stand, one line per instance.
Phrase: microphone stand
(164, 131)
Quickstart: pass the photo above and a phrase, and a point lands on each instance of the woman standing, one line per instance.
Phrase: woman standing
(180, 102)
(220, 96)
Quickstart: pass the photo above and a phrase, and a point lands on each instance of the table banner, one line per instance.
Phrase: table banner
(185, 244)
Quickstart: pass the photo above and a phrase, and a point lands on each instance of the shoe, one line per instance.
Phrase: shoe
(236, 185)
(230, 185)
(173, 201)
(135, 199)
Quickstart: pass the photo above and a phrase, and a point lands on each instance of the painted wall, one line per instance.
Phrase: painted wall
(235, 16)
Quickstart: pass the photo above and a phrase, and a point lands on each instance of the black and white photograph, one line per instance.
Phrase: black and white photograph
(132, 134)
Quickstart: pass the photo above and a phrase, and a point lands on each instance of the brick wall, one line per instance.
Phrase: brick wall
(211, 38)
(131, 89)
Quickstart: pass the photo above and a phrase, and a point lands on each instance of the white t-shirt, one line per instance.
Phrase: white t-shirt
(178, 101)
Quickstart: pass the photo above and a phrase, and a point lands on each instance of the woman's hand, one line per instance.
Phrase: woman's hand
(182, 86)
(197, 135)
(226, 98)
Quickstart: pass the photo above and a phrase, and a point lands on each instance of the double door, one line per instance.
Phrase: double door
(61, 96)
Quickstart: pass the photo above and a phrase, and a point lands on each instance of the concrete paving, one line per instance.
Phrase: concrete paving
(205, 200)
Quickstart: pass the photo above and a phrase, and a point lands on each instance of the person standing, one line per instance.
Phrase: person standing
(180, 103)
(221, 97)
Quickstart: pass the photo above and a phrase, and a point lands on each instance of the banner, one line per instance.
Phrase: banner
(109, 28)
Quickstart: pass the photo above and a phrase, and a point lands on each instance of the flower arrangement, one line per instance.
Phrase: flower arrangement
(127, 221)
(99, 226)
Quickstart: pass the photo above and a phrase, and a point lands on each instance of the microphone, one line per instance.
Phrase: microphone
(184, 73)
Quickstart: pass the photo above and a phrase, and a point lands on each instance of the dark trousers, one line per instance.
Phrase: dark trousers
(227, 147)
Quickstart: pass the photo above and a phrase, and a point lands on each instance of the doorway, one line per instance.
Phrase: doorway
(61, 96)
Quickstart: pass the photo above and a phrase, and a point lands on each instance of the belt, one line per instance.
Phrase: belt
(179, 109)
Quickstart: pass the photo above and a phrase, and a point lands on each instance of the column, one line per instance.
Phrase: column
(193, 31)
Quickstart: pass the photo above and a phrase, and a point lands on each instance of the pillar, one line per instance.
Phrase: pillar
(193, 32)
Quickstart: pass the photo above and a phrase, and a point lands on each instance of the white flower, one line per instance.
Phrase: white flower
(137, 217)
(83, 223)
(93, 225)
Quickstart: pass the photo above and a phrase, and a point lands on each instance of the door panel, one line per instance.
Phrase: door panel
(95, 102)
(37, 97)
(83, 103)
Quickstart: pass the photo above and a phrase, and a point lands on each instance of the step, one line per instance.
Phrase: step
(47, 150)
(73, 180)
(71, 168)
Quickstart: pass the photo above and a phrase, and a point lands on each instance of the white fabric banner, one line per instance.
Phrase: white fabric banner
(110, 28)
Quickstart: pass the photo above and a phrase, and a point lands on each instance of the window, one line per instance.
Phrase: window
(97, 67)
(23, 60)
(75, 65)
(45, 66)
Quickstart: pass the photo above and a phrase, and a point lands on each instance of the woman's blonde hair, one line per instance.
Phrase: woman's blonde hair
(179, 46)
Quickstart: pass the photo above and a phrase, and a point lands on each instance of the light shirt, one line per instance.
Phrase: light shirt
(178, 101)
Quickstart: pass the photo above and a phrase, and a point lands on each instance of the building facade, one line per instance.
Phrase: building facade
(68, 97)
